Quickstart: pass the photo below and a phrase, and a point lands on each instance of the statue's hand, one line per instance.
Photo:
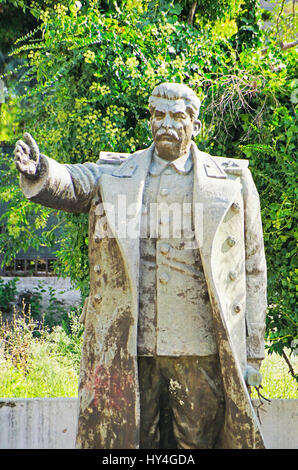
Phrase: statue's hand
(252, 376)
(26, 155)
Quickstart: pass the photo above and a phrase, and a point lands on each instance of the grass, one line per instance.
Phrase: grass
(37, 362)
(47, 376)
(277, 381)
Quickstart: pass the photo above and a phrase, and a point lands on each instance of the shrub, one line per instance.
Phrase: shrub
(8, 292)
(35, 362)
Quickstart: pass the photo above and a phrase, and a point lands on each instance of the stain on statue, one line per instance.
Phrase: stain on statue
(175, 319)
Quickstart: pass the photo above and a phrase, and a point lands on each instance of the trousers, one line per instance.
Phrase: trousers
(181, 402)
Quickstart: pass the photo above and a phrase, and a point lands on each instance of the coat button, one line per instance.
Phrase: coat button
(189, 234)
(164, 192)
(235, 207)
(164, 278)
(232, 275)
(237, 308)
(231, 241)
(164, 248)
(97, 268)
(97, 297)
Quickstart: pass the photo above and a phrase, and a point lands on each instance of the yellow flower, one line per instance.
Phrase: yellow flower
(60, 9)
(98, 88)
(44, 16)
(89, 56)
(132, 64)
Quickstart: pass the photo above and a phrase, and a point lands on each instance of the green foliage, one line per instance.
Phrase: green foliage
(83, 67)
(248, 24)
(206, 11)
(14, 22)
(68, 337)
(35, 362)
(277, 383)
(8, 292)
(52, 312)
(88, 81)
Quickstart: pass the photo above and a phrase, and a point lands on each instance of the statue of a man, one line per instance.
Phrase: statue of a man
(176, 311)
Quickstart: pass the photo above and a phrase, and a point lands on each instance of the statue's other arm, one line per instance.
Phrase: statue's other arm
(256, 273)
(52, 184)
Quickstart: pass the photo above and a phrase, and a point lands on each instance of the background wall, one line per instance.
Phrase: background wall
(50, 423)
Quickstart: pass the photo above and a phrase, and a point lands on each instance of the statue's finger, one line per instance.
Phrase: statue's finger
(19, 142)
(19, 155)
(33, 146)
(18, 148)
(24, 147)
(19, 166)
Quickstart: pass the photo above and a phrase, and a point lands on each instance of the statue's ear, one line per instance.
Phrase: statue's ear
(197, 125)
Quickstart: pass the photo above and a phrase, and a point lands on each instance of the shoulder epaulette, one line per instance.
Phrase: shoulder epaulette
(232, 162)
(234, 166)
(114, 158)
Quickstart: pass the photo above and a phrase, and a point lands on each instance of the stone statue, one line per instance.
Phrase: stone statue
(176, 313)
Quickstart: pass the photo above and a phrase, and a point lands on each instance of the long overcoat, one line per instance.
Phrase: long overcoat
(229, 233)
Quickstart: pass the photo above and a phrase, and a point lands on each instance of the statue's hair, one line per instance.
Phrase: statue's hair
(174, 91)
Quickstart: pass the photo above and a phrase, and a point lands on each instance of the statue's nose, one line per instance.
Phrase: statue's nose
(167, 122)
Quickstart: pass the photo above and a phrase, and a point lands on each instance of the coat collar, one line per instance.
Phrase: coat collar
(139, 160)
(182, 165)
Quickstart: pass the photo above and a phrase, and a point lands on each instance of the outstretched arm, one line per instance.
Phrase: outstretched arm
(52, 184)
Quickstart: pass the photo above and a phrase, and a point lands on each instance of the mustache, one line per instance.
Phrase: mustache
(169, 133)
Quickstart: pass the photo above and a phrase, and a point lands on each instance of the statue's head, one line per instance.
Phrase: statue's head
(174, 109)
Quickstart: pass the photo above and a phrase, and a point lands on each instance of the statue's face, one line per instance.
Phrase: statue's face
(172, 128)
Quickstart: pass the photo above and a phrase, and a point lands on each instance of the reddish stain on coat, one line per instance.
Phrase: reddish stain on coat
(109, 386)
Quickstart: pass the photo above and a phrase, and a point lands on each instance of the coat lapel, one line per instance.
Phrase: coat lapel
(122, 195)
(213, 194)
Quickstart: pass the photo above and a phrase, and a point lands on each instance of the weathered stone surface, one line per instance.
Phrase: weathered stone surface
(50, 423)
(224, 218)
(38, 423)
